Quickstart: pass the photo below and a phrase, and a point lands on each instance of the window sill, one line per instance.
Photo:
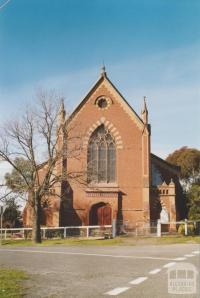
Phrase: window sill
(103, 184)
(102, 187)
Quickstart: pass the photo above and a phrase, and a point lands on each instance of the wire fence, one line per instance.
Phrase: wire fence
(158, 228)
(186, 228)
(138, 228)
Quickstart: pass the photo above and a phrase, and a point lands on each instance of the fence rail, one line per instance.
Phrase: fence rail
(153, 229)
(58, 232)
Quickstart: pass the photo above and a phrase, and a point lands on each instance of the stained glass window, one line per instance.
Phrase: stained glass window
(101, 156)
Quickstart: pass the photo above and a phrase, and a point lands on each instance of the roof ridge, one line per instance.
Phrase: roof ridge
(100, 80)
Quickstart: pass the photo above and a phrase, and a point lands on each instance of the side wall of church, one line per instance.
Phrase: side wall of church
(166, 191)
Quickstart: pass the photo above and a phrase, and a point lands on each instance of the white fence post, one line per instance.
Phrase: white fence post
(5, 235)
(87, 232)
(114, 228)
(186, 227)
(65, 232)
(158, 228)
(44, 233)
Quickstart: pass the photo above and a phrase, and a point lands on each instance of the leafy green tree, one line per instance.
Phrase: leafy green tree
(189, 161)
(12, 214)
(193, 196)
(14, 180)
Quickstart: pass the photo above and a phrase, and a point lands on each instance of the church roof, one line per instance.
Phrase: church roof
(103, 78)
(165, 164)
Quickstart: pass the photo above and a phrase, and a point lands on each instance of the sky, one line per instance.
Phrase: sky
(150, 48)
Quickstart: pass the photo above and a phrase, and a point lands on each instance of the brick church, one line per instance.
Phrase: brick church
(125, 181)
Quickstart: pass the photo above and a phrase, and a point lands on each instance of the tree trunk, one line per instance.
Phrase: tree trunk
(36, 232)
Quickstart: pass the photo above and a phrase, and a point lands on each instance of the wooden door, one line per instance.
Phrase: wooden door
(104, 214)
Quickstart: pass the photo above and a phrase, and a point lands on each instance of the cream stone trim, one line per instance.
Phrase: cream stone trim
(93, 95)
(106, 84)
(108, 100)
(123, 104)
(145, 137)
(110, 127)
(113, 129)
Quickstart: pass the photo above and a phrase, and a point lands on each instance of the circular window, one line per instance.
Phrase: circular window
(103, 103)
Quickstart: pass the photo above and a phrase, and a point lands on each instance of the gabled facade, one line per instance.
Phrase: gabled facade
(124, 180)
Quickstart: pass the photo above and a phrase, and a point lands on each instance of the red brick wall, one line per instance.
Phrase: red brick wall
(129, 155)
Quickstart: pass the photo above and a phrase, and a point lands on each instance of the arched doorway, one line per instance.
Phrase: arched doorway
(100, 215)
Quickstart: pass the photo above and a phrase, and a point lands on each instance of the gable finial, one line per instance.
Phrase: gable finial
(145, 103)
(103, 70)
(61, 113)
(145, 111)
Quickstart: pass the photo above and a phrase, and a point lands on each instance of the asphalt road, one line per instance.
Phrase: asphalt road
(118, 271)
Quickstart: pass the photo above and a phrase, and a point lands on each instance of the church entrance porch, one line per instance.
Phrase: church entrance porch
(100, 214)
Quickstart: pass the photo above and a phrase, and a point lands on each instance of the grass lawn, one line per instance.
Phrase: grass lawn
(102, 242)
(11, 283)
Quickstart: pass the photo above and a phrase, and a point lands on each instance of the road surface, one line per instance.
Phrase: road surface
(99, 271)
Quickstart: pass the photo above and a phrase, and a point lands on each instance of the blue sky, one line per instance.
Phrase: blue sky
(149, 48)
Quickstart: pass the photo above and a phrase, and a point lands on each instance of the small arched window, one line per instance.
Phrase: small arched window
(101, 156)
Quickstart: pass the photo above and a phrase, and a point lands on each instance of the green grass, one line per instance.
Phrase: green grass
(11, 283)
(167, 240)
(101, 242)
(74, 241)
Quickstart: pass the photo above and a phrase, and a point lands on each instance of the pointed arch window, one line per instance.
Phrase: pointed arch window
(101, 156)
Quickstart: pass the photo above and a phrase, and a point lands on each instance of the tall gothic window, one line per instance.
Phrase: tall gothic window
(101, 156)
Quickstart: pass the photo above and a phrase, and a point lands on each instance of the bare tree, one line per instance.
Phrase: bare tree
(43, 137)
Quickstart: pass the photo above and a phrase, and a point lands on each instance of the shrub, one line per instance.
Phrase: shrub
(191, 229)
